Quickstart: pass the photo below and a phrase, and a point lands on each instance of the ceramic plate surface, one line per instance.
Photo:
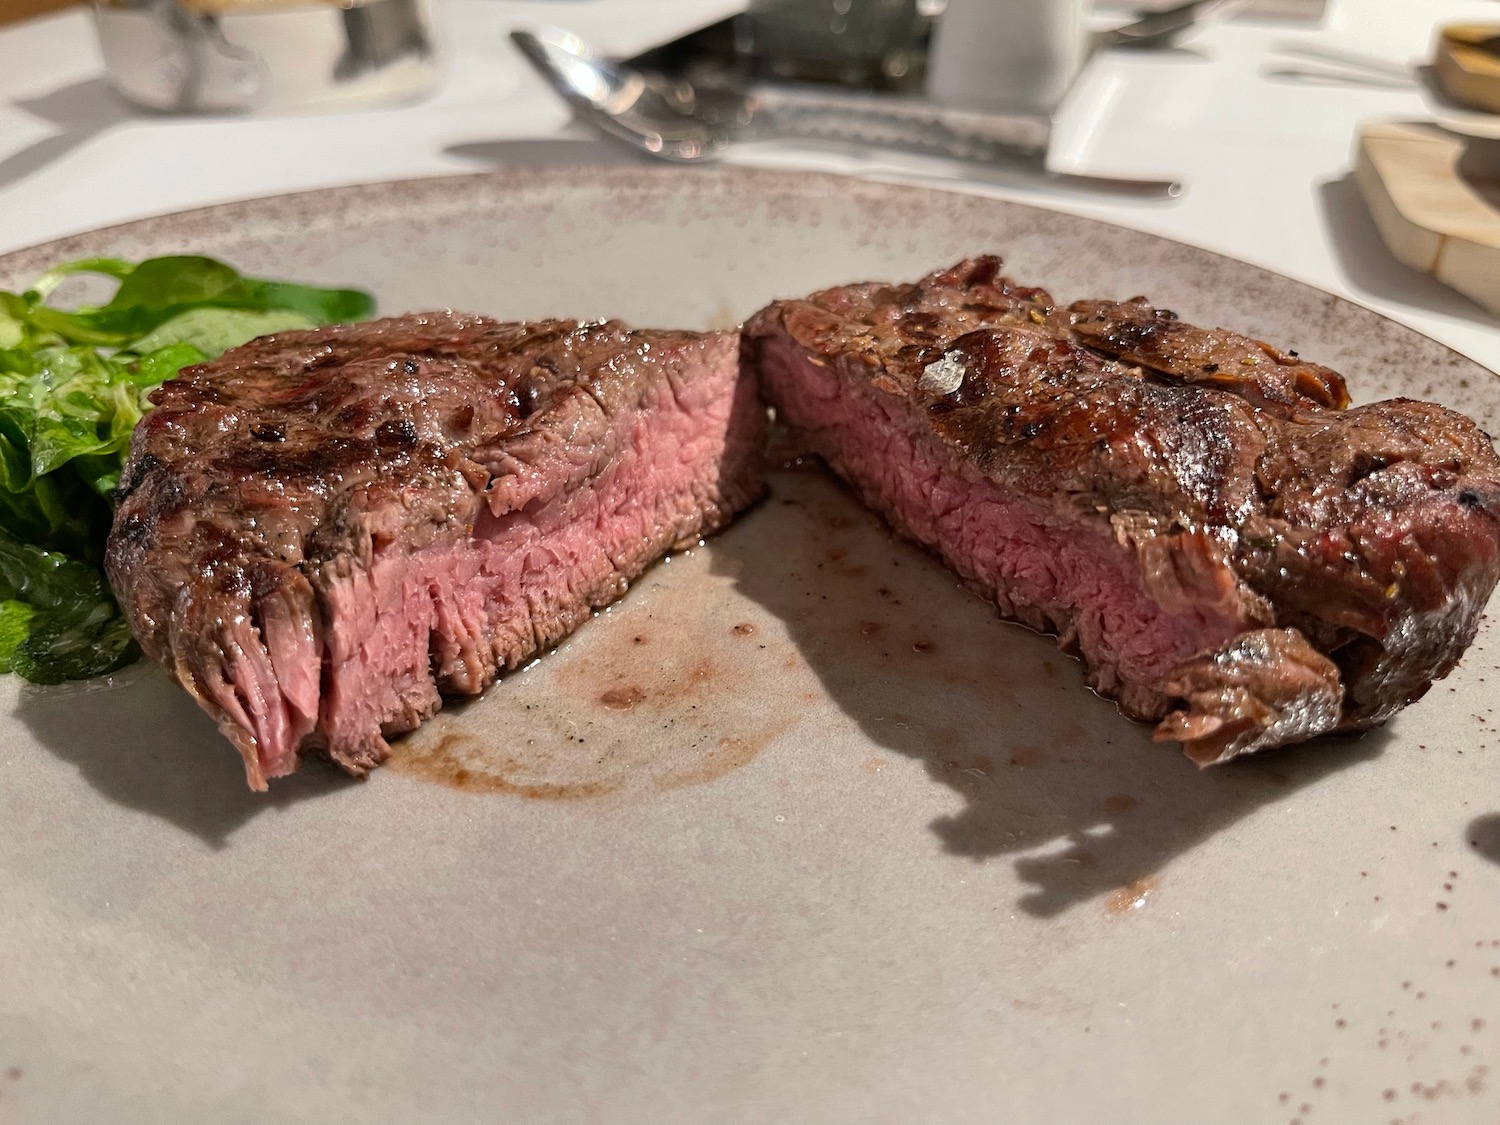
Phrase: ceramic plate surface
(859, 851)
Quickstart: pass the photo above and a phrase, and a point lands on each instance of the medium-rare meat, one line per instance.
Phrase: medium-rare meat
(1236, 556)
(322, 533)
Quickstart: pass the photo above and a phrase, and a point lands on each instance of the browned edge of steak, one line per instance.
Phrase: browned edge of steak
(322, 533)
(1235, 555)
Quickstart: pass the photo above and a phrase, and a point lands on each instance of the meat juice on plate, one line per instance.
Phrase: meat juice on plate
(677, 684)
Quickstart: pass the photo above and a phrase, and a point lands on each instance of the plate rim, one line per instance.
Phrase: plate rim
(228, 214)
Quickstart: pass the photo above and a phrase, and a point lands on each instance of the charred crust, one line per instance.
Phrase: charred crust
(324, 461)
(1365, 464)
(531, 390)
(355, 418)
(139, 469)
(396, 436)
(131, 531)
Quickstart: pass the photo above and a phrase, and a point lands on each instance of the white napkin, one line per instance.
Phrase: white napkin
(1009, 56)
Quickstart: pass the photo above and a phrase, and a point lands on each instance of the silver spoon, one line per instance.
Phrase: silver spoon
(674, 120)
(1162, 29)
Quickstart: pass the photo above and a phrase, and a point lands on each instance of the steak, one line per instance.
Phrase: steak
(322, 533)
(1237, 557)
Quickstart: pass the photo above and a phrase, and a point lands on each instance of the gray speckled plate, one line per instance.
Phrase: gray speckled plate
(797, 831)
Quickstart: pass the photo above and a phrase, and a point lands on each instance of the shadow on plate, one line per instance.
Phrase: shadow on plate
(1373, 269)
(545, 152)
(1483, 835)
(1049, 773)
(145, 745)
(80, 112)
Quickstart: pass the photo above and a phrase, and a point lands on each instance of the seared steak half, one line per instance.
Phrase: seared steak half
(1235, 555)
(321, 533)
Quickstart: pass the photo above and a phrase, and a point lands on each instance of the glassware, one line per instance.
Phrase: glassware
(238, 55)
(879, 44)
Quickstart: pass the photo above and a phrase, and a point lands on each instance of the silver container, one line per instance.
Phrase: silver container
(277, 55)
(872, 43)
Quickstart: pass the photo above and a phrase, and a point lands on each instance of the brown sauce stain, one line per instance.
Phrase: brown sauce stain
(623, 698)
(1025, 757)
(1074, 735)
(873, 765)
(461, 761)
(611, 713)
(1119, 803)
(1132, 896)
(730, 753)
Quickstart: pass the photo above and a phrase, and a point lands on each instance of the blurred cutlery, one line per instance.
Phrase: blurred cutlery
(687, 123)
(1164, 28)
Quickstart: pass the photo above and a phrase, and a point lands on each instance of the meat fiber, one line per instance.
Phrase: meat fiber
(1236, 556)
(323, 533)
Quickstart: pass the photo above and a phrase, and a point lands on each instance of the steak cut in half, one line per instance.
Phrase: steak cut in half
(1237, 557)
(322, 533)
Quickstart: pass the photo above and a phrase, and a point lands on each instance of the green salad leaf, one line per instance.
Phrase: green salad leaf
(73, 384)
(57, 619)
(214, 330)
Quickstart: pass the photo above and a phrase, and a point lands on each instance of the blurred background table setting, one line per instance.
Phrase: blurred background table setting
(1230, 124)
(862, 874)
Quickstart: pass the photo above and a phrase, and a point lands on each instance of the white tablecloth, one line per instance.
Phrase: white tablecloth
(1266, 161)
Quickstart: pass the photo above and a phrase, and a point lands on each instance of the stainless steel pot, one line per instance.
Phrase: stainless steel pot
(243, 55)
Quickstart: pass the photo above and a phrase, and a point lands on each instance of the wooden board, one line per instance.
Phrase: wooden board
(1467, 66)
(1436, 199)
(15, 10)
